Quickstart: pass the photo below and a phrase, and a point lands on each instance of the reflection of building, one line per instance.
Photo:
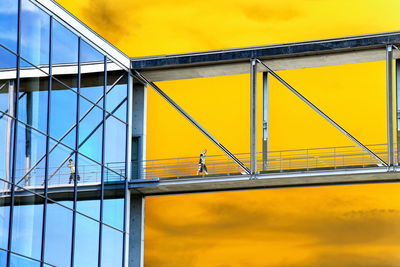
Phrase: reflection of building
(64, 94)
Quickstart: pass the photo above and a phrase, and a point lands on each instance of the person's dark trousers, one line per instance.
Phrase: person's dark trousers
(71, 177)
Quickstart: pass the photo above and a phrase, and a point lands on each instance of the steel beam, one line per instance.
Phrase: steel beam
(265, 120)
(326, 117)
(253, 116)
(195, 123)
(398, 109)
(389, 103)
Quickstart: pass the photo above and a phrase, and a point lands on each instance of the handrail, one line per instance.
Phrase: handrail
(283, 161)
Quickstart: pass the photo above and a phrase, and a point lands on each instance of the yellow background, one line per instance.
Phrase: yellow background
(320, 226)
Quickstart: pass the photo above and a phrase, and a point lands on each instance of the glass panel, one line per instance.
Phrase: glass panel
(111, 247)
(8, 64)
(33, 94)
(90, 130)
(117, 86)
(60, 167)
(35, 34)
(5, 199)
(64, 55)
(18, 261)
(113, 208)
(115, 145)
(88, 201)
(3, 257)
(63, 114)
(58, 235)
(87, 242)
(27, 224)
(6, 141)
(92, 73)
(30, 157)
(9, 24)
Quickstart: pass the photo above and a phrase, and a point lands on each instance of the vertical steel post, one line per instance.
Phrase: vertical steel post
(389, 103)
(398, 108)
(46, 173)
(265, 120)
(103, 140)
(253, 116)
(14, 157)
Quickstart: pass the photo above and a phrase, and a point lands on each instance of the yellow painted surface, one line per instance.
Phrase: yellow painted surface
(328, 226)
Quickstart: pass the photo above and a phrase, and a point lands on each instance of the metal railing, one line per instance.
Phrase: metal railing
(301, 160)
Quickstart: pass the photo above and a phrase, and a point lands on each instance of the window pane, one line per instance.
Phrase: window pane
(58, 235)
(90, 130)
(63, 114)
(87, 242)
(18, 261)
(64, 55)
(111, 247)
(6, 138)
(88, 201)
(117, 89)
(113, 208)
(27, 224)
(3, 257)
(33, 94)
(9, 24)
(92, 73)
(5, 198)
(115, 145)
(35, 34)
(30, 157)
(59, 165)
(8, 64)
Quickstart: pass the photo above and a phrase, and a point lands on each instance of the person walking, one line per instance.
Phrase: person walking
(72, 171)
(202, 163)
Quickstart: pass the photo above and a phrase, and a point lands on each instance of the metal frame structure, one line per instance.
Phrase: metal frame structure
(147, 71)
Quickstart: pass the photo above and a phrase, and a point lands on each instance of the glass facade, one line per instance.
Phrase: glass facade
(63, 144)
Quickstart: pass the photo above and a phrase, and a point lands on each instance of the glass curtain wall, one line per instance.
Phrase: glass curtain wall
(63, 144)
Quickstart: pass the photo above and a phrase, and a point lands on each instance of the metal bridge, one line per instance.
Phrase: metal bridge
(303, 167)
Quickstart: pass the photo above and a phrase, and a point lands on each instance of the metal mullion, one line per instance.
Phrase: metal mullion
(127, 164)
(253, 117)
(389, 103)
(397, 95)
(10, 224)
(103, 139)
(46, 172)
(76, 155)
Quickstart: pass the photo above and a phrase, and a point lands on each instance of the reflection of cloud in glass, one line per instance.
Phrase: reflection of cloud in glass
(8, 7)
